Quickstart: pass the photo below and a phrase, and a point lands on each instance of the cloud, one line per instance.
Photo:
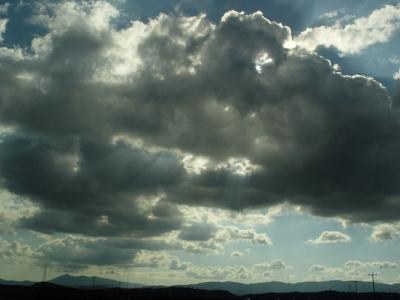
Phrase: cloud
(198, 232)
(385, 265)
(330, 14)
(394, 59)
(354, 37)
(229, 233)
(177, 265)
(353, 264)
(146, 259)
(351, 269)
(271, 266)
(317, 268)
(101, 119)
(210, 238)
(396, 75)
(242, 273)
(223, 216)
(330, 237)
(236, 254)
(4, 8)
(325, 272)
(15, 252)
(3, 24)
(385, 232)
(14, 208)
(77, 194)
(74, 253)
(356, 264)
(214, 273)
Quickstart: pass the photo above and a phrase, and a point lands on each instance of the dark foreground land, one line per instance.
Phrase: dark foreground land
(56, 292)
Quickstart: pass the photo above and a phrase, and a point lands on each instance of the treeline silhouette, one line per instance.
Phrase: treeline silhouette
(44, 291)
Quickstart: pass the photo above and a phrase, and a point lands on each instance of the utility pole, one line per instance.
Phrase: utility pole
(373, 282)
(355, 286)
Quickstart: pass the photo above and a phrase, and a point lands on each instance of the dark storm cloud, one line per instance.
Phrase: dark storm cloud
(76, 253)
(198, 232)
(319, 139)
(327, 141)
(93, 190)
(72, 253)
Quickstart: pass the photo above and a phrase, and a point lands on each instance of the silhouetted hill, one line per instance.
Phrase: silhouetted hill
(44, 292)
(47, 285)
(232, 287)
(15, 282)
(86, 281)
(327, 295)
(305, 287)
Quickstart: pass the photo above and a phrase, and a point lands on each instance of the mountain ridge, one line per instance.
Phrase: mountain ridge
(90, 281)
(237, 288)
(305, 287)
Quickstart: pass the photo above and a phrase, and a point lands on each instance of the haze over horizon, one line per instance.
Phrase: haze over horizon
(183, 141)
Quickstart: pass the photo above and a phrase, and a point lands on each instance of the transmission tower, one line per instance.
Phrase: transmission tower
(44, 275)
(373, 282)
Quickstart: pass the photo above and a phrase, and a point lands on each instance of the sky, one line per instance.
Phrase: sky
(182, 141)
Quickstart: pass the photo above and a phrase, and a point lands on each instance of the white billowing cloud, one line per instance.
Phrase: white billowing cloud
(356, 269)
(3, 24)
(322, 272)
(94, 18)
(96, 15)
(352, 38)
(208, 238)
(385, 232)
(230, 233)
(13, 209)
(229, 217)
(397, 75)
(330, 237)
(158, 259)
